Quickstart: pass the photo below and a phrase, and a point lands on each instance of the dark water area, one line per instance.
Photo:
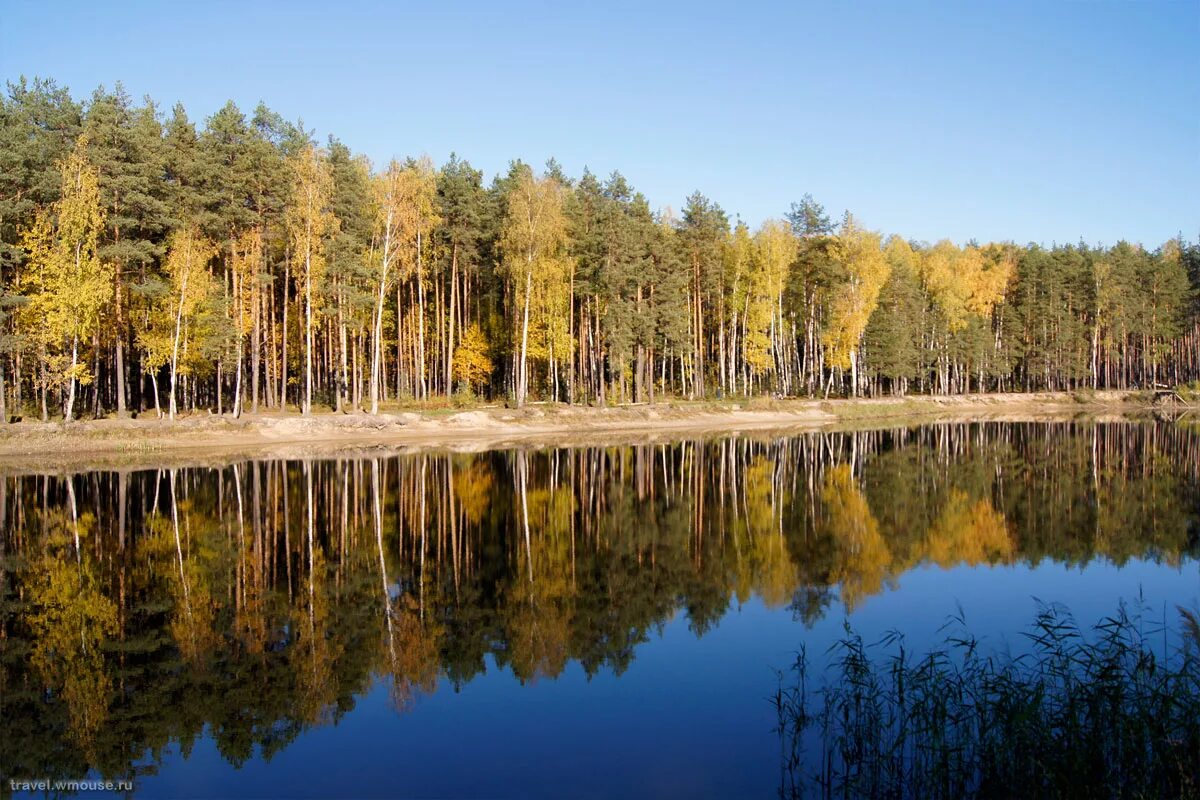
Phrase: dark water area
(583, 622)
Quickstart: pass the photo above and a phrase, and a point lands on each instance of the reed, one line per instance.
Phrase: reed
(1113, 711)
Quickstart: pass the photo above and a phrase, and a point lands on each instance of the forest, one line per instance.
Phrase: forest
(152, 264)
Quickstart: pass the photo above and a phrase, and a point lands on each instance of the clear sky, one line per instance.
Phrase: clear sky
(990, 120)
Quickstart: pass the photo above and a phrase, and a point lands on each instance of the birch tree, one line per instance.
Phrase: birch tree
(388, 199)
(857, 253)
(74, 285)
(191, 284)
(309, 223)
(245, 265)
(533, 245)
(417, 218)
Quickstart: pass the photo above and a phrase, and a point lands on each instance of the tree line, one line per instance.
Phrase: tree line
(148, 262)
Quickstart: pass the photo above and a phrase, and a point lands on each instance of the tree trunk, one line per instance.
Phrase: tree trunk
(283, 366)
(450, 314)
(255, 339)
(3, 397)
(308, 335)
(71, 389)
(377, 350)
(154, 381)
(523, 372)
(237, 384)
(854, 372)
(175, 345)
(122, 409)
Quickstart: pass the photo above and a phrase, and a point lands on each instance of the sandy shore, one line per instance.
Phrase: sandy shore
(26, 446)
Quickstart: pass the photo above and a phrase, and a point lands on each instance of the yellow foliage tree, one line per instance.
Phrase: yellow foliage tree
(963, 281)
(245, 265)
(71, 621)
(857, 252)
(533, 244)
(310, 223)
(416, 203)
(472, 364)
(389, 207)
(191, 285)
(72, 286)
(864, 558)
(773, 254)
(969, 533)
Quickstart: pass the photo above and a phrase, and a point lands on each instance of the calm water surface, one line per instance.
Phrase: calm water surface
(541, 622)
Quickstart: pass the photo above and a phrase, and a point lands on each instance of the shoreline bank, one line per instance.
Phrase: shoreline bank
(41, 446)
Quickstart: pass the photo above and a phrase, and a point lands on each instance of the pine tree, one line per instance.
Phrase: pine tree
(460, 239)
(350, 270)
(39, 125)
(812, 280)
(126, 148)
(702, 232)
(892, 340)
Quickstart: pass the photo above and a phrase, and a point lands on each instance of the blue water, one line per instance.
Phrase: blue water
(691, 716)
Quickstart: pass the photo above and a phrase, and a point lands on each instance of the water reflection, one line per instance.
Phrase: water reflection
(262, 598)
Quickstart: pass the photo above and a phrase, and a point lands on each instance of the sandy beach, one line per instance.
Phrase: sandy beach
(36, 446)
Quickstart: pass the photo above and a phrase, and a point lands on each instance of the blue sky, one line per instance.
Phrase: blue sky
(988, 120)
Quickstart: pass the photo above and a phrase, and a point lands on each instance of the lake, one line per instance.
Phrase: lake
(542, 621)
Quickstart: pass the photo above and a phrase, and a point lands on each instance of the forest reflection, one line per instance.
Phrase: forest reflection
(261, 598)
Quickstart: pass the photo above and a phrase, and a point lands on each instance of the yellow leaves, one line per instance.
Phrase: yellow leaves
(71, 620)
(1170, 251)
(768, 566)
(940, 273)
(80, 215)
(417, 211)
(969, 533)
(188, 254)
(246, 261)
(535, 227)
(472, 362)
(309, 220)
(866, 269)
(756, 349)
(406, 213)
(774, 251)
(193, 287)
(413, 652)
(533, 244)
(771, 253)
(69, 284)
(864, 558)
(900, 255)
(966, 281)
(736, 255)
(389, 201)
(473, 489)
(38, 242)
(549, 308)
(990, 283)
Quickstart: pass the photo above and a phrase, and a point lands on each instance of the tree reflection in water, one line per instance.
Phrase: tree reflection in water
(262, 597)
